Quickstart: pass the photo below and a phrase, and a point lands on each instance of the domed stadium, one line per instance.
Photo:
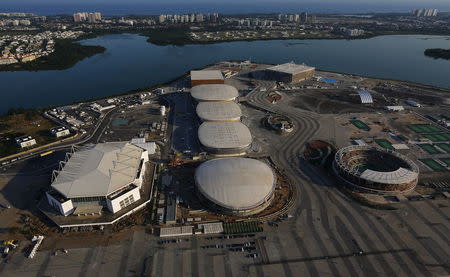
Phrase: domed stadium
(373, 170)
(219, 111)
(224, 138)
(215, 93)
(235, 186)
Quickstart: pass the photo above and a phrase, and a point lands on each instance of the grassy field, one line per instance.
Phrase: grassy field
(435, 166)
(429, 148)
(424, 128)
(360, 125)
(438, 137)
(444, 146)
(26, 123)
(384, 143)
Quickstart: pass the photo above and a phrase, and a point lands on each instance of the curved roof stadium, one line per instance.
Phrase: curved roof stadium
(375, 170)
(236, 185)
(224, 137)
(219, 111)
(366, 97)
(99, 170)
(215, 92)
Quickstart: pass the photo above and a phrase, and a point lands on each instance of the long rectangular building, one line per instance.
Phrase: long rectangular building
(206, 77)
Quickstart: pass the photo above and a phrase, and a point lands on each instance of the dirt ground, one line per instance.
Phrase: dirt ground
(17, 125)
(21, 188)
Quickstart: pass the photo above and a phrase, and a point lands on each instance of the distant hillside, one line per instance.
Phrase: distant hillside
(438, 53)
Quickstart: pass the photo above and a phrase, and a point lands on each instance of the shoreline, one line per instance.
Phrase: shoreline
(158, 85)
(66, 55)
(364, 37)
(53, 61)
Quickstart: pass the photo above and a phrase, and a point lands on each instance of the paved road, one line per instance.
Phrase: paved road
(329, 234)
(93, 137)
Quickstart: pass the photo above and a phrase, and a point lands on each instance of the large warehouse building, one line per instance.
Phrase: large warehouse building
(203, 77)
(219, 111)
(107, 175)
(215, 93)
(373, 170)
(226, 138)
(290, 73)
(235, 186)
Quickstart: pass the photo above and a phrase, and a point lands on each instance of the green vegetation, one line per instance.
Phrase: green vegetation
(444, 146)
(180, 35)
(360, 125)
(67, 54)
(438, 53)
(424, 128)
(429, 148)
(20, 122)
(242, 227)
(384, 143)
(433, 165)
(169, 36)
(438, 137)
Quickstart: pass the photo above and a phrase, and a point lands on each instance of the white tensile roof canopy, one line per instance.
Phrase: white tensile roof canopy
(99, 170)
(366, 97)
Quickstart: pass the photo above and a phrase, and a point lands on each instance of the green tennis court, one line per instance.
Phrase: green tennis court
(435, 166)
(424, 128)
(429, 148)
(242, 227)
(438, 137)
(360, 125)
(444, 146)
(446, 161)
(384, 143)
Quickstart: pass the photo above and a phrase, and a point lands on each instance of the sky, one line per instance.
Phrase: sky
(228, 6)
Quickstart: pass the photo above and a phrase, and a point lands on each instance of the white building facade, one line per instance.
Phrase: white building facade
(108, 175)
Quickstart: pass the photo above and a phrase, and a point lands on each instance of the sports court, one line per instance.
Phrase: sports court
(435, 166)
(444, 146)
(430, 149)
(384, 143)
(446, 161)
(424, 128)
(360, 125)
(438, 137)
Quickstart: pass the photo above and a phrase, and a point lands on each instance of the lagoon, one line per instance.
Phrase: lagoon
(130, 62)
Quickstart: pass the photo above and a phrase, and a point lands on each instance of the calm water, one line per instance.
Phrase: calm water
(130, 62)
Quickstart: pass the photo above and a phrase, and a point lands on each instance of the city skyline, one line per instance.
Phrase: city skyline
(175, 6)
